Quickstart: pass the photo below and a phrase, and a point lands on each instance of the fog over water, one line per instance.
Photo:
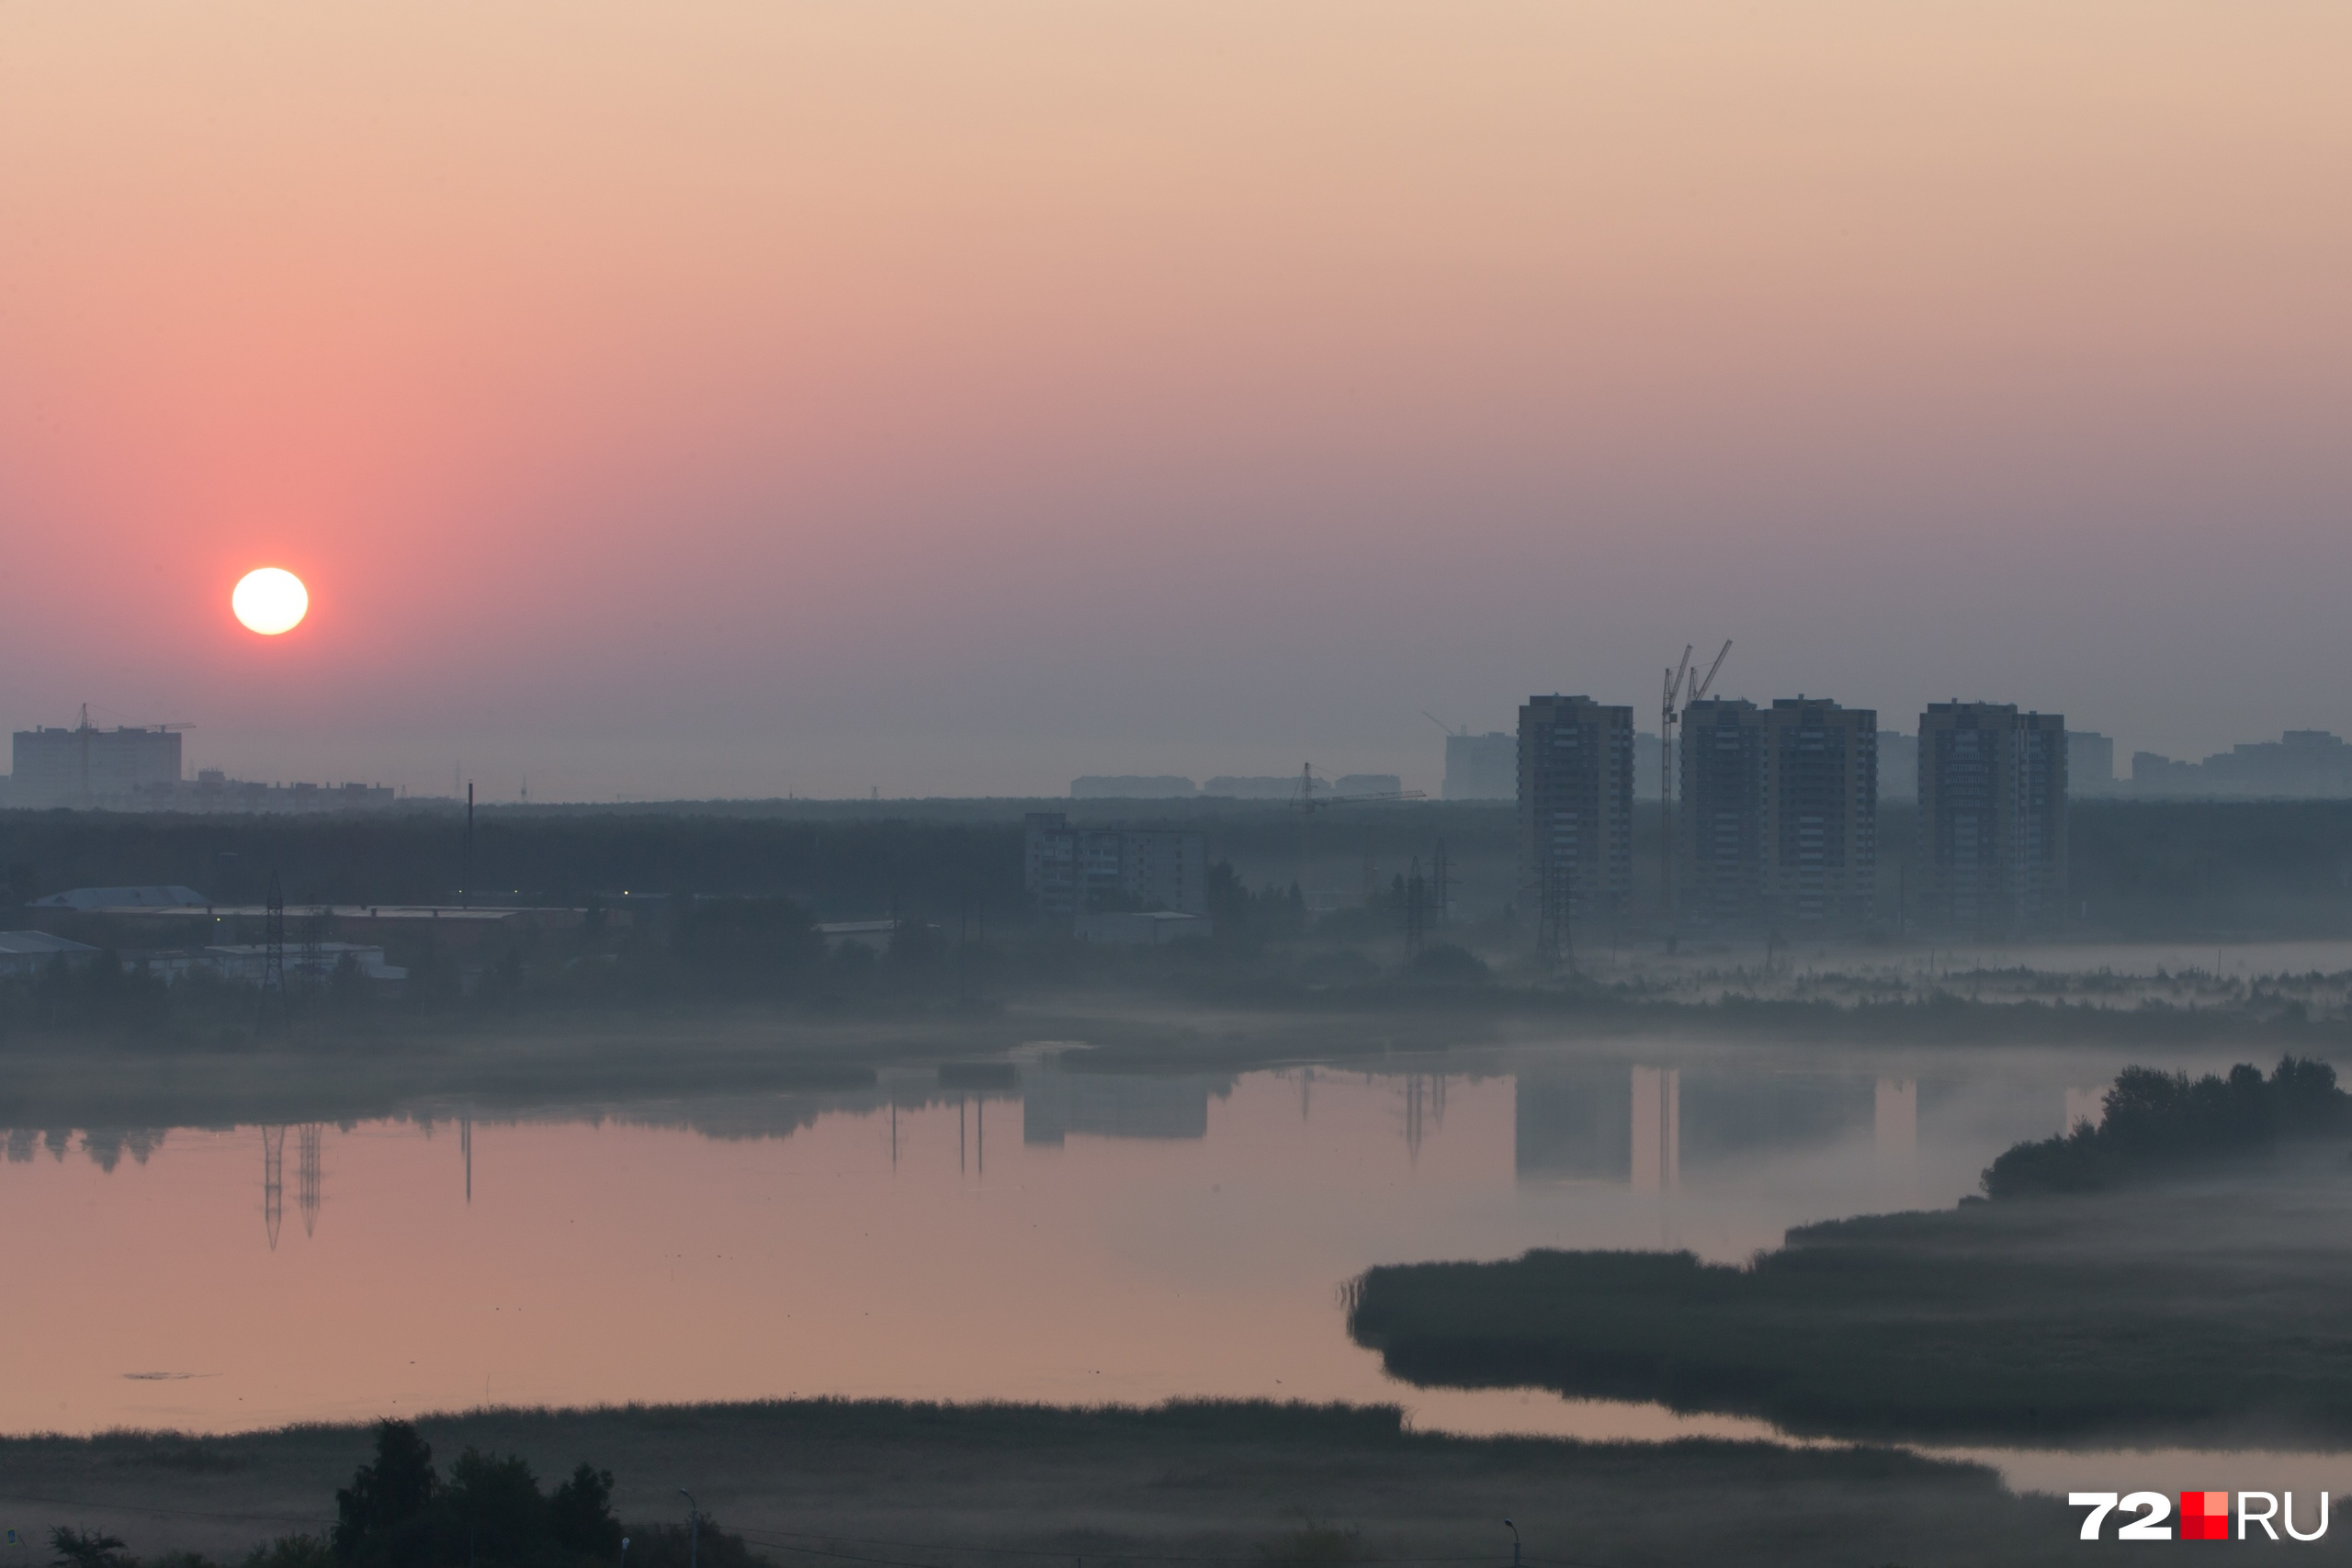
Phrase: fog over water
(1066, 1237)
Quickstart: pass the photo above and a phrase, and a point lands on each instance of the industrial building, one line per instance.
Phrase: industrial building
(85, 766)
(1576, 808)
(1991, 858)
(1067, 871)
(1779, 814)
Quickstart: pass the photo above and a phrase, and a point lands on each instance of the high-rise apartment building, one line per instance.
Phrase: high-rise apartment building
(1065, 870)
(1992, 845)
(1575, 805)
(1821, 808)
(1778, 821)
(2090, 763)
(1721, 832)
(89, 766)
(1481, 767)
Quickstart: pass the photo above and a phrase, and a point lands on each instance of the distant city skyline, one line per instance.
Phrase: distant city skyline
(752, 401)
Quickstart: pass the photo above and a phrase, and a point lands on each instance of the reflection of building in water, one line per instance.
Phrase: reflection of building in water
(1651, 1126)
(1733, 1118)
(1656, 1140)
(273, 1181)
(2085, 1105)
(1896, 1124)
(1116, 1105)
(1571, 1124)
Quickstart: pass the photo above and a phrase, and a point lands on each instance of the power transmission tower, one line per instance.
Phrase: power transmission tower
(1440, 886)
(314, 925)
(273, 960)
(1555, 942)
(1416, 911)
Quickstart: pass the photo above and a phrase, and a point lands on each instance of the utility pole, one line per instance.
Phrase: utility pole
(465, 893)
(694, 1528)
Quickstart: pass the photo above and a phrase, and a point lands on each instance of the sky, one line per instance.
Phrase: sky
(754, 399)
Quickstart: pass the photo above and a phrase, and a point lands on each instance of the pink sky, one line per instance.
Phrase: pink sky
(744, 398)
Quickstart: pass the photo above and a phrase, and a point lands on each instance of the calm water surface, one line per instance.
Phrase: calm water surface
(1068, 1238)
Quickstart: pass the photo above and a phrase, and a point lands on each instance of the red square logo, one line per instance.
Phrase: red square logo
(2204, 1516)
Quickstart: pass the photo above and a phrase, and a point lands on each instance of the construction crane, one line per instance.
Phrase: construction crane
(1683, 688)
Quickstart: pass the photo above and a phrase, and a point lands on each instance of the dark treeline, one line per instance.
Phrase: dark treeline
(2170, 870)
(842, 869)
(2158, 1122)
(490, 1512)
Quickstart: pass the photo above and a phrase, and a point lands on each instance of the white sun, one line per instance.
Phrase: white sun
(270, 601)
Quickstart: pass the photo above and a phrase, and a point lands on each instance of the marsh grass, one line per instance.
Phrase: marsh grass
(2200, 1313)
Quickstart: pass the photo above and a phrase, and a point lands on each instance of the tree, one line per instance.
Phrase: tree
(494, 1502)
(580, 1514)
(746, 946)
(387, 1498)
(87, 1549)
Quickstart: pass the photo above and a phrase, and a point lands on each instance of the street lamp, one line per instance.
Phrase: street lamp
(1514, 1542)
(694, 1527)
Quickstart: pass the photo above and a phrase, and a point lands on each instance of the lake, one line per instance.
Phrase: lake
(1066, 1236)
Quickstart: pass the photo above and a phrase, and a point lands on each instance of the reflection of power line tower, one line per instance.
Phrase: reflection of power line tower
(465, 1147)
(306, 1176)
(273, 962)
(273, 1181)
(1413, 1098)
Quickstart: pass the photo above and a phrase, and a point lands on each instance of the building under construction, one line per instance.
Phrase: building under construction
(85, 766)
(1576, 809)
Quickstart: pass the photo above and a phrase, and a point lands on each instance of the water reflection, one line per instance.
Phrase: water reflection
(1120, 1236)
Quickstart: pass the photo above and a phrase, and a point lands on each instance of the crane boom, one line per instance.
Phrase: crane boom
(1700, 688)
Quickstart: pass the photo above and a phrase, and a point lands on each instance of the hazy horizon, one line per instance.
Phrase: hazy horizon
(751, 402)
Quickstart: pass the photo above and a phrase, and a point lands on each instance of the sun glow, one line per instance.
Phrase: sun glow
(270, 601)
